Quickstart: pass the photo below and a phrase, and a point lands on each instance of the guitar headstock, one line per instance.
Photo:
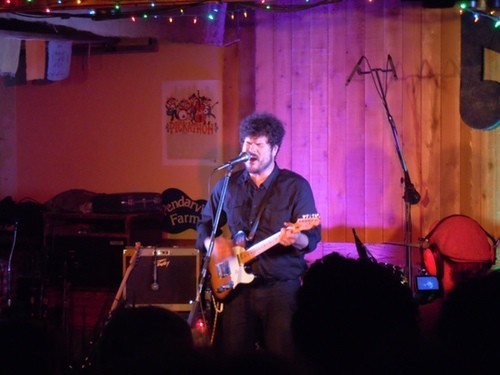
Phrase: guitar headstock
(306, 222)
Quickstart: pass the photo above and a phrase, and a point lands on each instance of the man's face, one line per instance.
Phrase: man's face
(262, 154)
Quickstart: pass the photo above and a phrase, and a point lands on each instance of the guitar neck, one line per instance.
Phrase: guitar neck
(257, 249)
(304, 223)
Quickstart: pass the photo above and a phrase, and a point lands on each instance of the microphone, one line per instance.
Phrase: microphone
(393, 68)
(356, 68)
(241, 158)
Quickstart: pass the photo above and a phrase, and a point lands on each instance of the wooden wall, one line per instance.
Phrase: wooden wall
(339, 136)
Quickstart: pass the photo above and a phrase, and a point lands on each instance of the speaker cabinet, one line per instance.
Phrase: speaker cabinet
(86, 249)
(162, 276)
(87, 262)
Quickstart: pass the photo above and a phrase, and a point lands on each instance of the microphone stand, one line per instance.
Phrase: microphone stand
(411, 195)
(196, 308)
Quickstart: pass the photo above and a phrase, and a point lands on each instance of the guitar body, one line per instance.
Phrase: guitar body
(227, 272)
(227, 263)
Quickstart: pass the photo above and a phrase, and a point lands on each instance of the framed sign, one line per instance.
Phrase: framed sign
(192, 122)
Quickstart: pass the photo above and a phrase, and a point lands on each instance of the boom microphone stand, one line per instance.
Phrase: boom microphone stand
(411, 195)
(196, 308)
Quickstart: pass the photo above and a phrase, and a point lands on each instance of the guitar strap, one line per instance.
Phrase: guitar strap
(261, 208)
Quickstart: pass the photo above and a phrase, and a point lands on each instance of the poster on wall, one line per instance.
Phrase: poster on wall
(191, 122)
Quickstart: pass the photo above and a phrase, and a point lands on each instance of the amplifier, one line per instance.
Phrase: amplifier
(162, 276)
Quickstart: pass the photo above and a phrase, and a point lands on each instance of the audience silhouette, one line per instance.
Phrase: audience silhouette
(355, 317)
(29, 346)
(147, 340)
(468, 326)
(259, 362)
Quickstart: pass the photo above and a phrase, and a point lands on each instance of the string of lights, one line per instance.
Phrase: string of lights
(480, 13)
(119, 8)
(172, 9)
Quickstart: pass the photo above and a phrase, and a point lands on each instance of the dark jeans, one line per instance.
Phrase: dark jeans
(259, 317)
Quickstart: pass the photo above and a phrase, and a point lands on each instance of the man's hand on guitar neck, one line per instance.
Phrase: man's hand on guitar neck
(290, 236)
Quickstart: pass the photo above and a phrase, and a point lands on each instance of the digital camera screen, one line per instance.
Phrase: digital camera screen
(427, 283)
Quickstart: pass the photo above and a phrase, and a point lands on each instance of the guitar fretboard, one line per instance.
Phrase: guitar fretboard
(306, 222)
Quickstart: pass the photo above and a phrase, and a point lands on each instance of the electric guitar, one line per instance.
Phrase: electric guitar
(228, 270)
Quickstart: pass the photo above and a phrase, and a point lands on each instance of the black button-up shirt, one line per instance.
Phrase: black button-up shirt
(290, 199)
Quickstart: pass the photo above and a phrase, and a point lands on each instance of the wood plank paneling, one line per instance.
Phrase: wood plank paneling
(301, 65)
(432, 164)
(335, 211)
(410, 72)
(355, 179)
(318, 117)
(393, 204)
(265, 61)
(283, 88)
(341, 138)
(374, 124)
(449, 120)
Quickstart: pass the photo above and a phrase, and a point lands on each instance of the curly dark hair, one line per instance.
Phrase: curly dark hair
(262, 124)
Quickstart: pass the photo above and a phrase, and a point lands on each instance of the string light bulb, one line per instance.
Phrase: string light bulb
(478, 13)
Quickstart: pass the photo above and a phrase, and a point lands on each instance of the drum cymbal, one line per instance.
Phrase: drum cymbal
(414, 244)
